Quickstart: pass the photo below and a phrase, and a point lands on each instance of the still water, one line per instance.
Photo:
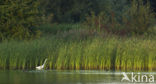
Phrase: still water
(63, 77)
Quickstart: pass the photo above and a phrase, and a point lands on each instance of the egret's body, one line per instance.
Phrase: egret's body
(42, 66)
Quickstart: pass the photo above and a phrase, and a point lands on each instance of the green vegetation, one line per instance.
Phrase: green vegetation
(57, 28)
(23, 19)
(97, 53)
(78, 34)
(18, 19)
(137, 19)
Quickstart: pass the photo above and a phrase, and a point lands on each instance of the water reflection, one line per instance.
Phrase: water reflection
(61, 77)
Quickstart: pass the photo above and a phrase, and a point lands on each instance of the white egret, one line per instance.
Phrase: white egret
(42, 66)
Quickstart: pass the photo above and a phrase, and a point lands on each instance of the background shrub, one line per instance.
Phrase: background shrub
(136, 18)
(18, 19)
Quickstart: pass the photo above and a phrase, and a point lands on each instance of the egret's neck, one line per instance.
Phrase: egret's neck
(44, 62)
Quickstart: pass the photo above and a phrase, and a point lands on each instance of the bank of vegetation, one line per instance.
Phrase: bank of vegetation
(75, 34)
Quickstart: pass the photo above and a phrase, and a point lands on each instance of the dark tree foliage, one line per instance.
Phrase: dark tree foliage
(69, 10)
(76, 10)
(18, 18)
(123, 18)
(153, 3)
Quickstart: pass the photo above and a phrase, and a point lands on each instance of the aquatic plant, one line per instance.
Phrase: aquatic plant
(97, 53)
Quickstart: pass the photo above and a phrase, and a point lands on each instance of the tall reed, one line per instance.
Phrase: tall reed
(97, 53)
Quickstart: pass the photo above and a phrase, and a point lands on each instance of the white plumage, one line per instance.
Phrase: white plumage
(42, 66)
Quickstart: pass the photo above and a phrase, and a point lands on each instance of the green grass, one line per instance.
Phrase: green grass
(111, 53)
(56, 28)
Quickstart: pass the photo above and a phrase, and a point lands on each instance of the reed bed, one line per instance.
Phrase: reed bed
(129, 54)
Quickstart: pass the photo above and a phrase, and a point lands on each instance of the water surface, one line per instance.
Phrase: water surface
(63, 77)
